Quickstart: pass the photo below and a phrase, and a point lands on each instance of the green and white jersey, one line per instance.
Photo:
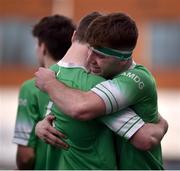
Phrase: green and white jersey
(134, 88)
(91, 143)
(87, 139)
(28, 115)
(124, 123)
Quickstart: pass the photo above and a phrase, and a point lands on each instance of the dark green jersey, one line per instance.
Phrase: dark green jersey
(134, 88)
(28, 115)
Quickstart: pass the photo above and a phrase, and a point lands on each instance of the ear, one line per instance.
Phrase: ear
(43, 49)
(73, 38)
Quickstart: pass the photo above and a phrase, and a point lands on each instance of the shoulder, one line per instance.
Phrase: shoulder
(54, 67)
(97, 79)
(80, 77)
(28, 87)
(27, 83)
(139, 76)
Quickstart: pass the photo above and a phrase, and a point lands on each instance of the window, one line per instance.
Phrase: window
(17, 45)
(165, 45)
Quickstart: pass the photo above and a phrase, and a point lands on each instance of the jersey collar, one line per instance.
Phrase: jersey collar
(70, 65)
(132, 65)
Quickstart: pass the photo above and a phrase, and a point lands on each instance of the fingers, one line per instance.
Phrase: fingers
(55, 141)
(51, 129)
(38, 71)
(46, 132)
(57, 133)
(50, 118)
(42, 76)
(43, 72)
(49, 134)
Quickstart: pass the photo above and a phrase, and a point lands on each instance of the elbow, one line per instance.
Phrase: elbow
(149, 143)
(145, 144)
(80, 113)
(154, 139)
(84, 117)
(166, 126)
(26, 162)
(163, 125)
(81, 116)
(25, 158)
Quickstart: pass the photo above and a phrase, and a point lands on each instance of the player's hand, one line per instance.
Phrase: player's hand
(46, 132)
(44, 76)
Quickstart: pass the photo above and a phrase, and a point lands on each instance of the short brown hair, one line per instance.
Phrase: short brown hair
(83, 25)
(55, 32)
(116, 30)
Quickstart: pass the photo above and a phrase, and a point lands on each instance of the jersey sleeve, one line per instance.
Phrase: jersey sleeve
(125, 123)
(27, 116)
(121, 92)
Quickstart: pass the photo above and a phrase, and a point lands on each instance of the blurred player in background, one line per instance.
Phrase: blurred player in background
(53, 34)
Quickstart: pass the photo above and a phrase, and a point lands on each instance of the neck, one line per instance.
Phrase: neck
(77, 54)
(48, 61)
(127, 65)
(121, 67)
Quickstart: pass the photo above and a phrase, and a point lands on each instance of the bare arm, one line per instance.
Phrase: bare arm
(149, 135)
(75, 103)
(130, 126)
(87, 105)
(25, 158)
(145, 137)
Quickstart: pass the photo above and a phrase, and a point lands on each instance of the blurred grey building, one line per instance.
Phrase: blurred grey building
(157, 48)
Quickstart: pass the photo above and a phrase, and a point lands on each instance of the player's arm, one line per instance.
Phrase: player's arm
(25, 157)
(24, 127)
(130, 126)
(149, 135)
(75, 103)
(126, 124)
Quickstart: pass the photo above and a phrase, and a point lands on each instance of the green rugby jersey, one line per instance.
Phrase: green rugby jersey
(30, 111)
(28, 115)
(91, 144)
(134, 88)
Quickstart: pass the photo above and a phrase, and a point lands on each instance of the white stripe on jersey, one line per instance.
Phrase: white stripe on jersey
(134, 129)
(22, 133)
(111, 95)
(124, 123)
(20, 141)
(129, 122)
(49, 106)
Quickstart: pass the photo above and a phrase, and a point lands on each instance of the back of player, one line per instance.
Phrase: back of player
(90, 142)
(27, 117)
(53, 35)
